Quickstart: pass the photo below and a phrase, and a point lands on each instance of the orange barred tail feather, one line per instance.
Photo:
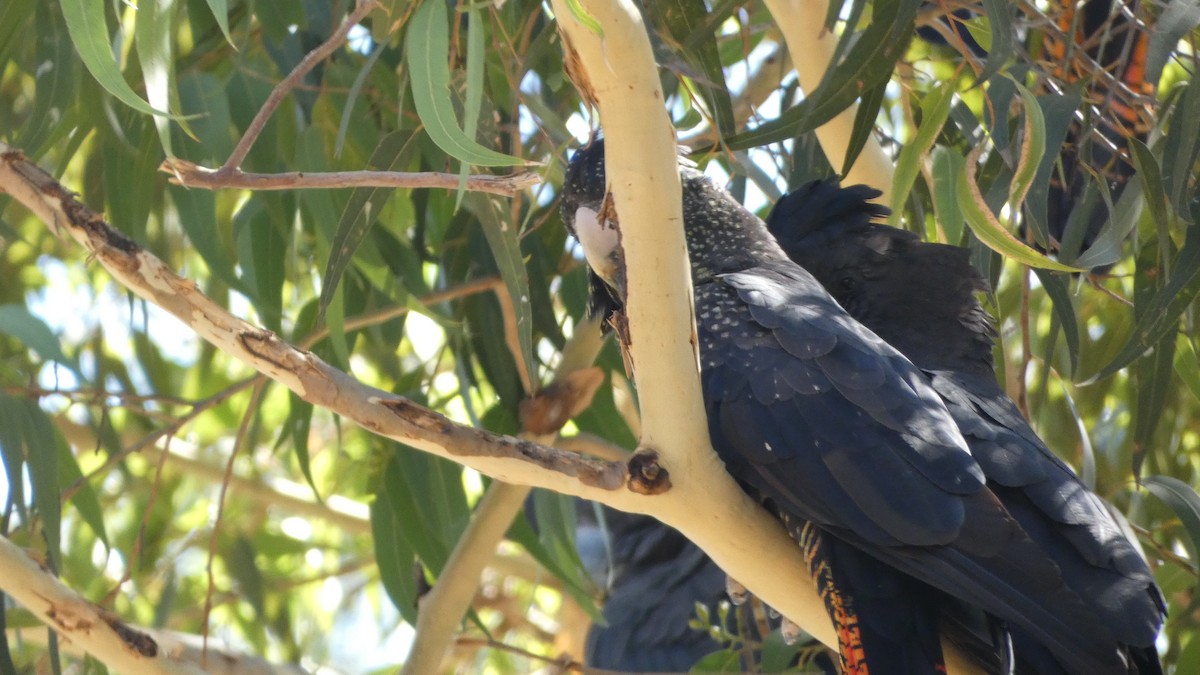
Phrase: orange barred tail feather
(886, 622)
(838, 604)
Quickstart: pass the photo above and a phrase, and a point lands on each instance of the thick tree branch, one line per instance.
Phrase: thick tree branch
(98, 631)
(514, 460)
(811, 46)
(643, 176)
(187, 648)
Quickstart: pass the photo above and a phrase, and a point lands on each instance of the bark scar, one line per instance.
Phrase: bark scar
(646, 475)
(135, 639)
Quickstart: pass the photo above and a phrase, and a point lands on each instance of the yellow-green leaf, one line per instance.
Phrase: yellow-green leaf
(89, 33)
(1033, 146)
(991, 231)
(152, 36)
(935, 108)
(427, 46)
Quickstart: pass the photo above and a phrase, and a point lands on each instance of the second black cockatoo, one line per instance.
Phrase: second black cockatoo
(847, 442)
(920, 298)
(654, 576)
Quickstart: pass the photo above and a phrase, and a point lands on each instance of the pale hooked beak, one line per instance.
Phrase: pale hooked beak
(601, 244)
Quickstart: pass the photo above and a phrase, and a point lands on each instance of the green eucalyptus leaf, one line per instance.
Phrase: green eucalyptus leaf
(1153, 374)
(685, 21)
(220, 10)
(506, 249)
(864, 124)
(1176, 21)
(12, 447)
(1150, 177)
(947, 168)
(361, 211)
(1058, 115)
(84, 498)
(1187, 365)
(993, 234)
(394, 553)
(1182, 147)
(935, 108)
(1161, 313)
(1033, 147)
(522, 533)
(1182, 499)
(18, 322)
(427, 46)
(89, 31)
(152, 36)
(998, 40)
(41, 457)
(1064, 310)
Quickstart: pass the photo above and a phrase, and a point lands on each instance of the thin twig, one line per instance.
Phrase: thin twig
(376, 318)
(139, 542)
(1109, 292)
(285, 87)
(187, 174)
(566, 664)
(744, 614)
(240, 438)
(1165, 552)
(94, 396)
(169, 430)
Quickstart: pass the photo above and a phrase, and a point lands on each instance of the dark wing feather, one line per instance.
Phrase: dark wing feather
(920, 298)
(659, 578)
(877, 462)
(879, 382)
(1065, 518)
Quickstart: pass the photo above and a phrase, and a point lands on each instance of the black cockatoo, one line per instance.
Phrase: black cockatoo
(848, 443)
(920, 298)
(654, 576)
